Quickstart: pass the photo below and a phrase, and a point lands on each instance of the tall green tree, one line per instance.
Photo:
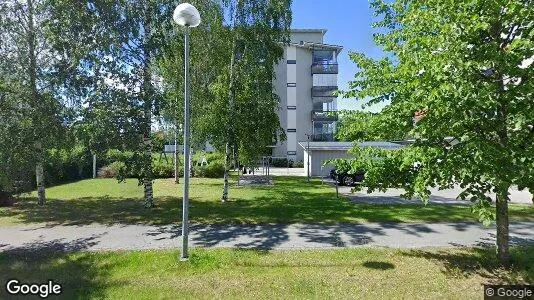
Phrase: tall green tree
(466, 68)
(125, 83)
(258, 28)
(27, 65)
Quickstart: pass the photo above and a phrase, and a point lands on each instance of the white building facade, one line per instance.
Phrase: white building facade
(306, 79)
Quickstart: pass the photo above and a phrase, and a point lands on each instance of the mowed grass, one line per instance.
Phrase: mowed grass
(290, 200)
(250, 274)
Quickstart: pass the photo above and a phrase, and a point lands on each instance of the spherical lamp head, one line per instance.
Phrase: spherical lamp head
(187, 15)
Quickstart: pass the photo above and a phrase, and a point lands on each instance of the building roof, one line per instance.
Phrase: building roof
(344, 146)
(323, 31)
(312, 46)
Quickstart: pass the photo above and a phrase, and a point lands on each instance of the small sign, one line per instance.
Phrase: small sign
(170, 149)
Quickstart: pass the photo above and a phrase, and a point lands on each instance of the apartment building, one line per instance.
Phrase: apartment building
(306, 79)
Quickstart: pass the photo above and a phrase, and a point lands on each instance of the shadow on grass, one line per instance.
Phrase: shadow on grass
(291, 200)
(78, 273)
(482, 262)
(378, 265)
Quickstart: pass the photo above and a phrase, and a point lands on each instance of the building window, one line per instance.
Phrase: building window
(291, 62)
(291, 152)
(291, 130)
(291, 85)
(290, 107)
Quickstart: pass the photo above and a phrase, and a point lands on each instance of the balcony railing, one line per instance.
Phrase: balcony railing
(323, 91)
(323, 137)
(324, 68)
(320, 115)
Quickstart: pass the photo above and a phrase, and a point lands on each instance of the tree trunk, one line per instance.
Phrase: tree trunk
(231, 95)
(503, 245)
(39, 177)
(32, 70)
(226, 171)
(147, 107)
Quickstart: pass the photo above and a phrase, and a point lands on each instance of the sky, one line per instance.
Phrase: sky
(349, 25)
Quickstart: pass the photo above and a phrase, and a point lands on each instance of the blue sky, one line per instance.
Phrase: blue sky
(349, 24)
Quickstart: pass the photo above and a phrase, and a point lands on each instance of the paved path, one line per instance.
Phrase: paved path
(295, 236)
(392, 196)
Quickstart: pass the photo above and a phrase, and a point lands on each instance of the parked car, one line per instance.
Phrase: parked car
(343, 178)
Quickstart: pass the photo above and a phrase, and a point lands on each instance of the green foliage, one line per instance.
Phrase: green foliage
(459, 64)
(298, 164)
(281, 163)
(212, 170)
(63, 165)
(360, 126)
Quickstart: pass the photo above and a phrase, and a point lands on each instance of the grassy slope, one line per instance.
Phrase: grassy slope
(236, 274)
(290, 200)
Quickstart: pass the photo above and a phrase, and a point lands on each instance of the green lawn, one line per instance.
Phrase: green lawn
(290, 200)
(237, 274)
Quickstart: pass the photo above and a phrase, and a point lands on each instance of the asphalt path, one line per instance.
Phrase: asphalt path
(98, 237)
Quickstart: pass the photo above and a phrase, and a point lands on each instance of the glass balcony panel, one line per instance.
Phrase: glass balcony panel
(321, 115)
(323, 91)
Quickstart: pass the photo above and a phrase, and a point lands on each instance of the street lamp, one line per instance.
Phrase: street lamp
(308, 160)
(186, 15)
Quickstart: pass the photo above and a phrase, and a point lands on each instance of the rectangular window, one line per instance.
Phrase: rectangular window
(291, 62)
(290, 107)
(291, 130)
(291, 84)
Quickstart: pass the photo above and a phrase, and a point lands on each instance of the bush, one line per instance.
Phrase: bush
(63, 165)
(162, 169)
(115, 169)
(106, 172)
(281, 163)
(212, 170)
(298, 164)
(5, 199)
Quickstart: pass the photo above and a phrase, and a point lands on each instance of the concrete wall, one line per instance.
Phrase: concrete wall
(304, 99)
(311, 37)
(319, 156)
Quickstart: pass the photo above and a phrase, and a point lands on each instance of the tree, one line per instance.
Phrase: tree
(466, 67)
(356, 126)
(29, 59)
(258, 28)
(123, 84)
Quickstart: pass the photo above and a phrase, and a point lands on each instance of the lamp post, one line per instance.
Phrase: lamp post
(308, 160)
(186, 15)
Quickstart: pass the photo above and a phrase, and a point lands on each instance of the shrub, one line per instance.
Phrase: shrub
(162, 169)
(115, 169)
(106, 172)
(281, 163)
(298, 164)
(212, 170)
(5, 199)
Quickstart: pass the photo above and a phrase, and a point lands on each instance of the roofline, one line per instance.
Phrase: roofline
(317, 30)
(311, 46)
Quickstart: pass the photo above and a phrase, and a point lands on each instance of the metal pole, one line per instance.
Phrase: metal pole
(176, 153)
(308, 157)
(187, 132)
(94, 165)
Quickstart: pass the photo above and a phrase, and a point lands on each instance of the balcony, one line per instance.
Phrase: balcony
(324, 68)
(323, 137)
(324, 91)
(320, 115)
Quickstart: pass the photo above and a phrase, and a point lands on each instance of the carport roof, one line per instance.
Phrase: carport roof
(344, 146)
